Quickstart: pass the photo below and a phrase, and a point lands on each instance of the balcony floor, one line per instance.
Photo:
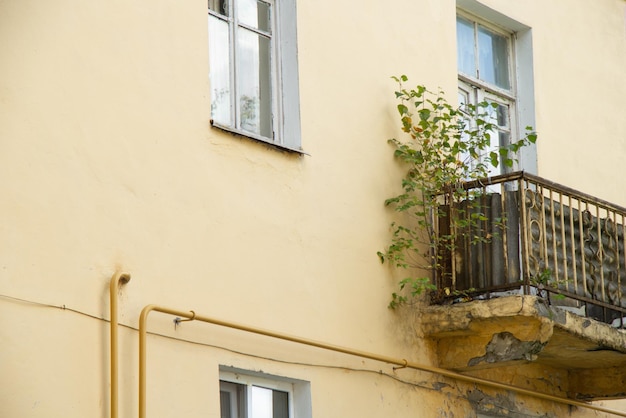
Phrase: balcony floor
(578, 357)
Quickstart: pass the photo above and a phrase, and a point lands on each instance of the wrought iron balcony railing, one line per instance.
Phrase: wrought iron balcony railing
(519, 233)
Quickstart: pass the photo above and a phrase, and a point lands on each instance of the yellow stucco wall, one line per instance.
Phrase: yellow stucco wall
(108, 162)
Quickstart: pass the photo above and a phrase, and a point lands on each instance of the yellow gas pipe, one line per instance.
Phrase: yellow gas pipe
(117, 279)
(191, 315)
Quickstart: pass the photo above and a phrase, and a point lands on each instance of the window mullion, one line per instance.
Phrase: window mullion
(255, 30)
(249, 405)
(218, 16)
(487, 87)
(511, 64)
(276, 77)
(234, 68)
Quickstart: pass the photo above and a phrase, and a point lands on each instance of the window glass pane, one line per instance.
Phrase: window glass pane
(504, 138)
(465, 47)
(219, 61)
(463, 98)
(504, 132)
(493, 50)
(498, 114)
(254, 83)
(254, 13)
(232, 400)
(219, 6)
(225, 409)
(280, 404)
(261, 403)
(502, 118)
(493, 139)
(500, 135)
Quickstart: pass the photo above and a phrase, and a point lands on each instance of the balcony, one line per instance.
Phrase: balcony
(535, 277)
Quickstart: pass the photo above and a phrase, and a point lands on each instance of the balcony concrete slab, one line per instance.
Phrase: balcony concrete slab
(523, 333)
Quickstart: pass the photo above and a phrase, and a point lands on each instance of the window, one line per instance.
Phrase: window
(495, 63)
(255, 395)
(253, 69)
(239, 400)
(485, 62)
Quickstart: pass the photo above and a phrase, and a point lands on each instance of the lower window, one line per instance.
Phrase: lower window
(258, 395)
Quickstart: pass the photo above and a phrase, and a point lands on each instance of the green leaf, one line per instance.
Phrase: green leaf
(392, 200)
(424, 114)
(493, 159)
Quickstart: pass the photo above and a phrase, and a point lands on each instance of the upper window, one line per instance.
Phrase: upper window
(261, 396)
(253, 69)
(484, 57)
(495, 64)
(483, 54)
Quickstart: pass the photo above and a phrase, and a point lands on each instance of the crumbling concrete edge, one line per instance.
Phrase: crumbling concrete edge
(442, 320)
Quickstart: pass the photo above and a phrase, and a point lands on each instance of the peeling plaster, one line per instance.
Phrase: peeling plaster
(501, 405)
(504, 346)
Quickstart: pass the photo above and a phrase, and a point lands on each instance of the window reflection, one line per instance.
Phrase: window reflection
(502, 118)
(501, 134)
(261, 403)
(219, 60)
(482, 53)
(220, 7)
(254, 83)
(493, 58)
(465, 48)
(254, 13)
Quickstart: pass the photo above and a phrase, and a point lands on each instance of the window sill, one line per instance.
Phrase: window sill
(249, 135)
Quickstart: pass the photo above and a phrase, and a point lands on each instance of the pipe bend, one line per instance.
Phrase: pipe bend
(143, 316)
(119, 278)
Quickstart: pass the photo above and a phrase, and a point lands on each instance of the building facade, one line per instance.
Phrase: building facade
(232, 159)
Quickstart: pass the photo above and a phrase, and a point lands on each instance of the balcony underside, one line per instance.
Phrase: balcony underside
(540, 346)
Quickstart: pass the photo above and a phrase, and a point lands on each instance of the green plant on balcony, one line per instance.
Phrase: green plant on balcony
(444, 147)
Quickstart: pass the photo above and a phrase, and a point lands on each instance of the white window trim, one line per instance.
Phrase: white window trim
(299, 391)
(521, 71)
(285, 82)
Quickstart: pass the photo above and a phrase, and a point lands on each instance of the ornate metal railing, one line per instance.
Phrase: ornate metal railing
(519, 233)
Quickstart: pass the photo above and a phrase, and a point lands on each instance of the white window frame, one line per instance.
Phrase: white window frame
(298, 391)
(479, 90)
(520, 96)
(285, 109)
(473, 96)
